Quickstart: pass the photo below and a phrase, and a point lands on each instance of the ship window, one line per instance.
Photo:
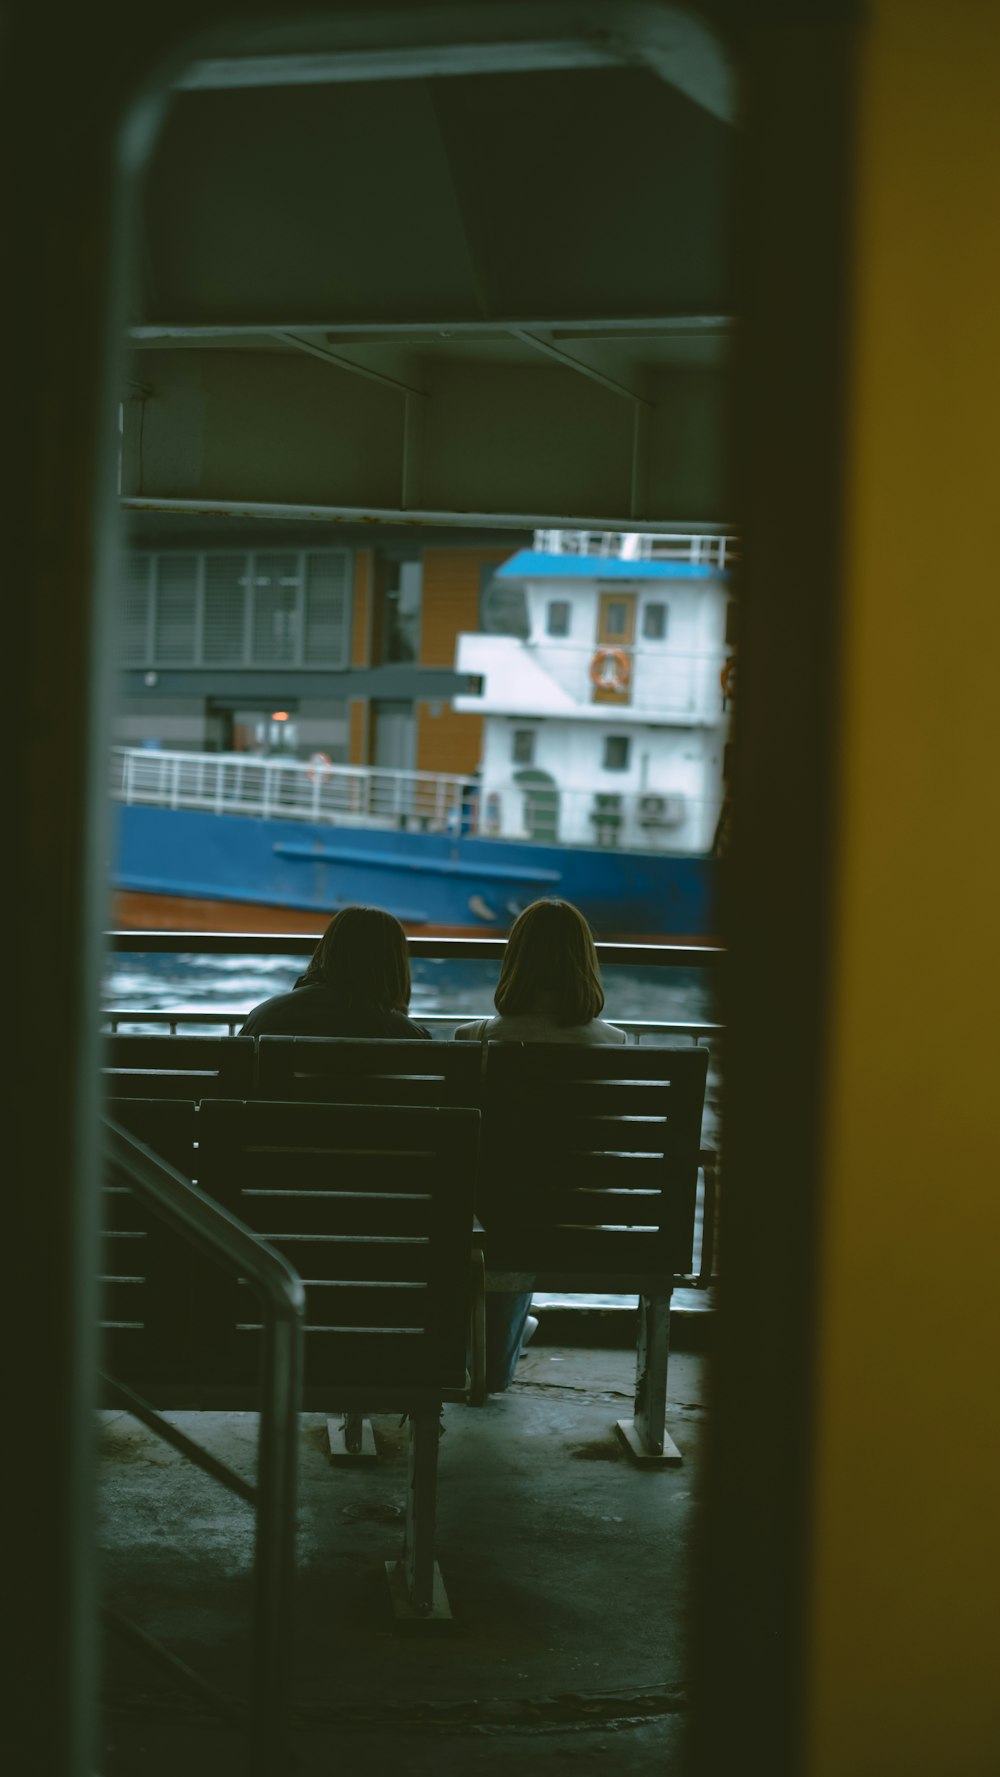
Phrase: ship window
(617, 748)
(503, 608)
(523, 748)
(399, 598)
(616, 613)
(558, 617)
(654, 623)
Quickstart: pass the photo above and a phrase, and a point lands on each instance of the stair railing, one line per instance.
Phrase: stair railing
(207, 1226)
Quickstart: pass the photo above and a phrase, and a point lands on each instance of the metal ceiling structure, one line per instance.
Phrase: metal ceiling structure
(467, 274)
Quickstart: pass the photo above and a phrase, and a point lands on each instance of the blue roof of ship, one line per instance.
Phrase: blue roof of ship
(533, 564)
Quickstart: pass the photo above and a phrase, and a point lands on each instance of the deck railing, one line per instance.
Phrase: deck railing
(710, 551)
(359, 796)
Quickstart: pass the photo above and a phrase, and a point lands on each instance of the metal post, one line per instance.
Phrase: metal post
(415, 1581)
(645, 1434)
(281, 1383)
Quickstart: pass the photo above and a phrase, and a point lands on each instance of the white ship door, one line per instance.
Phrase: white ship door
(541, 805)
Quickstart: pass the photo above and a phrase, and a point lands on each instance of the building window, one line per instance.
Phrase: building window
(617, 748)
(654, 623)
(400, 600)
(558, 618)
(523, 748)
(234, 608)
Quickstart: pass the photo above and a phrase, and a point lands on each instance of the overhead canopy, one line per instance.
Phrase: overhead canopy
(379, 278)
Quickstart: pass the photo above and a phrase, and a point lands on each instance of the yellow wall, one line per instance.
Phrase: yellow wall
(905, 1654)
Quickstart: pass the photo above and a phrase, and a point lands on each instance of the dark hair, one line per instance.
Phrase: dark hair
(550, 951)
(363, 952)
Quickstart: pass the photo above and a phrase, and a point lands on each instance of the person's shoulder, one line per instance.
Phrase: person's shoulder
(282, 1014)
(474, 1032)
(603, 1032)
(264, 1017)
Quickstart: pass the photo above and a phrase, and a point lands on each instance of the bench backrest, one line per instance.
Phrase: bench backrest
(372, 1205)
(148, 1325)
(178, 1066)
(369, 1070)
(590, 1160)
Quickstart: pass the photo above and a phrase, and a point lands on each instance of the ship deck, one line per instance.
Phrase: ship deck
(568, 1570)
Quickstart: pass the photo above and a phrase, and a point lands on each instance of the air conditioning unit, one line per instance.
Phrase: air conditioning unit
(661, 811)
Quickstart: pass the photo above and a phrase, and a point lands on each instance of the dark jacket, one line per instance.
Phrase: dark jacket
(314, 1009)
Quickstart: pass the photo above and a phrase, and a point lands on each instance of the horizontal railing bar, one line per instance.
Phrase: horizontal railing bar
(657, 956)
(171, 1434)
(115, 1015)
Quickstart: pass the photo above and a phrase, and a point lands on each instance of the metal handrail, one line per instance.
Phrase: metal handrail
(657, 956)
(213, 1230)
(113, 1016)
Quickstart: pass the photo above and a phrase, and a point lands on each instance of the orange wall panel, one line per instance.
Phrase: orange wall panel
(451, 599)
(450, 741)
(359, 731)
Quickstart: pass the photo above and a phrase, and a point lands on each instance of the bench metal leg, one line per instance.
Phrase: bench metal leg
(418, 1593)
(645, 1435)
(351, 1439)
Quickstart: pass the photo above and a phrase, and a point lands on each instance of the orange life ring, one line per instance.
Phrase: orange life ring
(727, 677)
(319, 768)
(619, 677)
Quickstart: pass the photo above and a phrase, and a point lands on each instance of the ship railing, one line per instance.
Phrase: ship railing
(717, 551)
(311, 790)
(415, 801)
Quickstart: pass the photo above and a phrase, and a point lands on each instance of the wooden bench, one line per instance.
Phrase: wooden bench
(588, 1181)
(373, 1208)
(193, 1067)
(369, 1070)
(537, 1099)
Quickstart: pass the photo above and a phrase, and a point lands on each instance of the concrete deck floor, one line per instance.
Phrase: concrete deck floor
(567, 1570)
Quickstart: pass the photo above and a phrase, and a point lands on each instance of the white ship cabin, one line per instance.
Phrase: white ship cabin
(605, 682)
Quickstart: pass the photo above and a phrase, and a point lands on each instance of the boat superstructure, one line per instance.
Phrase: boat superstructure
(601, 686)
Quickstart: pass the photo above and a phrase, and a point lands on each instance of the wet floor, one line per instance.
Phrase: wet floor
(568, 1573)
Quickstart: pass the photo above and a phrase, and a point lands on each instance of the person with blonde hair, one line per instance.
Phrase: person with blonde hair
(549, 990)
(357, 984)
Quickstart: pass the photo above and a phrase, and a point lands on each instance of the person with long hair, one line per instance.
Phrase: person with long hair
(549, 991)
(357, 984)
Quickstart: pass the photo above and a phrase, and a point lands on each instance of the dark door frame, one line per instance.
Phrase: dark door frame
(66, 78)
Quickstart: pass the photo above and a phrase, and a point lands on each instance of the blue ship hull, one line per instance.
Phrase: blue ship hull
(430, 881)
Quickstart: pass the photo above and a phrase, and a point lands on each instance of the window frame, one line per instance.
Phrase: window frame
(247, 660)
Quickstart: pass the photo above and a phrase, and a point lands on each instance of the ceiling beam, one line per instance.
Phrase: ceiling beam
(153, 333)
(459, 40)
(568, 362)
(338, 362)
(519, 521)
